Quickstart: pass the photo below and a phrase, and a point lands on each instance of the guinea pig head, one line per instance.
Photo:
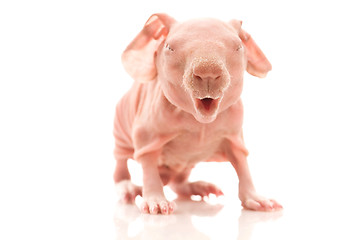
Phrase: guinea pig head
(199, 63)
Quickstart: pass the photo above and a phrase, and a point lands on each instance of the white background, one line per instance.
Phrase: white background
(61, 77)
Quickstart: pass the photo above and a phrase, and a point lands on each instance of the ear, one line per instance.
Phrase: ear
(257, 63)
(138, 57)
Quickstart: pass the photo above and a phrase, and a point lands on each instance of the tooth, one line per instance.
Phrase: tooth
(206, 97)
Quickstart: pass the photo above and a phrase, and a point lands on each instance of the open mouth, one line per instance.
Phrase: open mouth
(206, 102)
(207, 106)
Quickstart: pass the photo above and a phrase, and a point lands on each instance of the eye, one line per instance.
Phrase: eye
(168, 47)
(239, 48)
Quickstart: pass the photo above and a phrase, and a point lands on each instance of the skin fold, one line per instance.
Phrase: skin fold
(184, 108)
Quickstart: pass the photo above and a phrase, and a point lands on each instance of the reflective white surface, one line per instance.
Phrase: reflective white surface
(314, 209)
(192, 220)
(200, 220)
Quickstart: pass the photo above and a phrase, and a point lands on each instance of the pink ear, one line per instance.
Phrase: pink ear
(257, 63)
(138, 57)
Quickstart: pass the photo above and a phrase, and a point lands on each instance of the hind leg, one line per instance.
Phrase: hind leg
(126, 190)
(185, 189)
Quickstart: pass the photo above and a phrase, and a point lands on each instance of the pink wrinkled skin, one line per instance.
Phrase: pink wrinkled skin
(183, 108)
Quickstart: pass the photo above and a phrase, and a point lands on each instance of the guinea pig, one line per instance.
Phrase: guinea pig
(184, 108)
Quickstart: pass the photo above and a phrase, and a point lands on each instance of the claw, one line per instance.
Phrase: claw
(155, 207)
(164, 208)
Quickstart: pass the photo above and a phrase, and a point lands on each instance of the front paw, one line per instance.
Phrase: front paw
(253, 201)
(156, 205)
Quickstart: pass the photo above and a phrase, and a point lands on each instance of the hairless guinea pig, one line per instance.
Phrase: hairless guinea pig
(183, 108)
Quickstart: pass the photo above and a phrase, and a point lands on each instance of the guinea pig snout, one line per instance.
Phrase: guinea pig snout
(207, 72)
(207, 77)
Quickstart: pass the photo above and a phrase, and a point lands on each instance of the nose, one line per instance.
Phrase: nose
(207, 77)
(206, 71)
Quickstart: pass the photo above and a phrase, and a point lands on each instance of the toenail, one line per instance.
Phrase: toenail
(155, 209)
